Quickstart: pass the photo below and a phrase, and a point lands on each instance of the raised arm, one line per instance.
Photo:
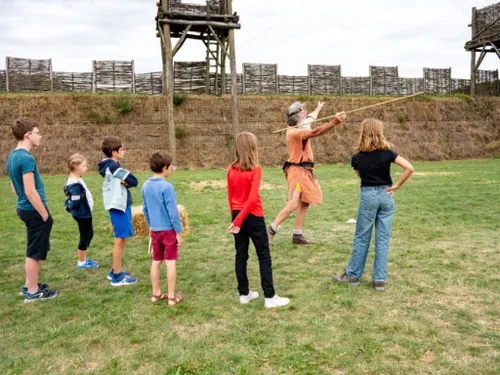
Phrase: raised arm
(314, 114)
(316, 132)
(408, 170)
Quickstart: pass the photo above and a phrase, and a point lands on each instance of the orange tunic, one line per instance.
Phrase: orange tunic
(301, 179)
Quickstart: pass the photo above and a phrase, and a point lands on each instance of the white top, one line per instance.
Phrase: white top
(90, 199)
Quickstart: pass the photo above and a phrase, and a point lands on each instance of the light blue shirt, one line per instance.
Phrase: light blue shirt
(160, 205)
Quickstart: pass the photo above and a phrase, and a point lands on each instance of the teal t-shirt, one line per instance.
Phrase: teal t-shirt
(19, 163)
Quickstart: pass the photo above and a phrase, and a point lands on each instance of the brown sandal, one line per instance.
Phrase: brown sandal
(159, 297)
(178, 298)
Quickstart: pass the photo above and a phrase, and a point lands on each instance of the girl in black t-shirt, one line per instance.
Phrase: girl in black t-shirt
(376, 205)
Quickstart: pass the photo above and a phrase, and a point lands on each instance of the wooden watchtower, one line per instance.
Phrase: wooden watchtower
(485, 39)
(213, 24)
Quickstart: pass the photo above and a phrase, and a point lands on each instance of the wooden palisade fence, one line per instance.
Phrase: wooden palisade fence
(29, 75)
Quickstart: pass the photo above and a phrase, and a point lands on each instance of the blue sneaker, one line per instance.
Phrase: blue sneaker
(89, 263)
(123, 279)
(111, 273)
(39, 295)
(24, 289)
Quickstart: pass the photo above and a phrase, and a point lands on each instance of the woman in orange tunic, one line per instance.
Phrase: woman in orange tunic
(303, 187)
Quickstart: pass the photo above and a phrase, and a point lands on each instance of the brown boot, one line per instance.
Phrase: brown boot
(299, 239)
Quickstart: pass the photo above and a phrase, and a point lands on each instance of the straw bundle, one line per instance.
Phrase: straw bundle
(139, 222)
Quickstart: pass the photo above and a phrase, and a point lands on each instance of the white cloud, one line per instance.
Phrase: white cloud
(291, 33)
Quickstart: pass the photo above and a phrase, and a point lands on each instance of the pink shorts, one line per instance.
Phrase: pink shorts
(164, 244)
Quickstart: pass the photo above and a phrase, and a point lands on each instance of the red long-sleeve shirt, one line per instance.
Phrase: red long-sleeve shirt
(243, 193)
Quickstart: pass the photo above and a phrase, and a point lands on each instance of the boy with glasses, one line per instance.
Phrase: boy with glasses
(27, 186)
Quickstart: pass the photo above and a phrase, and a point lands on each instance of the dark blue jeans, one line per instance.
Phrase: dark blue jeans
(253, 228)
(376, 207)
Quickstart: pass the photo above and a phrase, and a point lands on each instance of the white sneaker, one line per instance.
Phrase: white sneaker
(276, 301)
(251, 296)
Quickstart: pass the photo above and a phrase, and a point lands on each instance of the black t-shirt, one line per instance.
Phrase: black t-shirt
(374, 167)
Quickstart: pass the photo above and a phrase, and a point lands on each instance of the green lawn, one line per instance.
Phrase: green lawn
(440, 313)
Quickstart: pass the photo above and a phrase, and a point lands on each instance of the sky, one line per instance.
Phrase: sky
(291, 33)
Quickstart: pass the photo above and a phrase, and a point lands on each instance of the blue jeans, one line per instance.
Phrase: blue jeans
(376, 206)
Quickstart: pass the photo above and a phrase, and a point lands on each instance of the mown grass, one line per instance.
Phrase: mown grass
(439, 314)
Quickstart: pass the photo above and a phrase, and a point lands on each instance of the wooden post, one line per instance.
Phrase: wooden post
(498, 84)
(341, 82)
(309, 79)
(7, 61)
(207, 64)
(223, 67)
(450, 84)
(94, 77)
(473, 56)
(51, 76)
(234, 84)
(371, 80)
(114, 80)
(277, 78)
(168, 80)
(133, 77)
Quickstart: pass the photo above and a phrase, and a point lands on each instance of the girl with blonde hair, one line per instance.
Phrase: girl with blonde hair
(376, 205)
(243, 184)
(79, 203)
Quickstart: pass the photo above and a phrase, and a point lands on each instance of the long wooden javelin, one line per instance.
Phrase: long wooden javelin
(352, 110)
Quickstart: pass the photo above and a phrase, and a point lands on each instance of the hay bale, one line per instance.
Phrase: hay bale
(140, 224)
(186, 229)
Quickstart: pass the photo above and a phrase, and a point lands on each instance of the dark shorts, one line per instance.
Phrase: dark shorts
(122, 223)
(164, 244)
(38, 233)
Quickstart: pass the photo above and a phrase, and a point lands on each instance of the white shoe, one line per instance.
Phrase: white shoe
(249, 297)
(276, 301)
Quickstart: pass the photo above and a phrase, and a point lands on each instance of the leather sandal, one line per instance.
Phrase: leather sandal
(178, 298)
(159, 297)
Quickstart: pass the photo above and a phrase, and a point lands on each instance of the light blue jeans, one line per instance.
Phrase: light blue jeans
(377, 207)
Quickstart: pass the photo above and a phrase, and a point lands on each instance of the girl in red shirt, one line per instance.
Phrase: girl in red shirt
(243, 184)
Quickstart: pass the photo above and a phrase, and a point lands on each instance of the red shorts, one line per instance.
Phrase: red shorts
(164, 244)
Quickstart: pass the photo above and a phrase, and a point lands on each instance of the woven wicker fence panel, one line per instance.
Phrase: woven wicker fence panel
(487, 82)
(239, 83)
(325, 79)
(260, 78)
(385, 80)
(486, 76)
(212, 7)
(356, 85)
(293, 84)
(437, 81)
(69, 81)
(149, 83)
(113, 76)
(488, 17)
(190, 77)
(460, 86)
(408, 86)
(29, 74)
(2, 81)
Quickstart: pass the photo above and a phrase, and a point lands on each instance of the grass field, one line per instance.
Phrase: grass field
(440, 313)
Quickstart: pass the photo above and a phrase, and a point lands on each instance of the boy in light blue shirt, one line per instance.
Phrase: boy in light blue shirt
(160, 209)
